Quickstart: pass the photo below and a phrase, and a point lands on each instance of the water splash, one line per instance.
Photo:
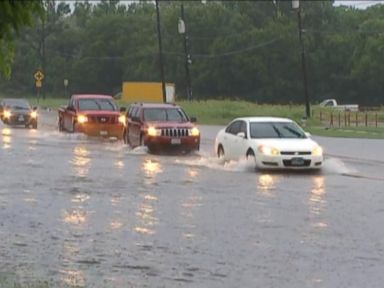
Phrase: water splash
(243, 165)
(336, 166)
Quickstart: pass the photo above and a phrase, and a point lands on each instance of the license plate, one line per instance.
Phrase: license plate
(103, 133)
(175, 141)
(297, 161)
(21, 118)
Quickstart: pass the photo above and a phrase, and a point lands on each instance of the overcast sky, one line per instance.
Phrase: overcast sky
(357, 3)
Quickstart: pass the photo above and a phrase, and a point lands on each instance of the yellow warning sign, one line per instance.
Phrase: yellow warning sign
(38, 83)
(38, 76)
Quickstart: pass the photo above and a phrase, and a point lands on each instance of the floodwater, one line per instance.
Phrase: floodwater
(80, 212)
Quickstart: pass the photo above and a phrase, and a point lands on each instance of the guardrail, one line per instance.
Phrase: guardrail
(349, 118)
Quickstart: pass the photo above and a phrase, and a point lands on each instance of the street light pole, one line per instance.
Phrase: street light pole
(183, 31)
(296, 6)
(160, 52)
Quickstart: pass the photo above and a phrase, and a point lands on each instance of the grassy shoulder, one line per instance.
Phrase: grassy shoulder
(221, 112)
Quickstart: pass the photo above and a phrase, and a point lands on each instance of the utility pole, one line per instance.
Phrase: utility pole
(160, 52)
(188, 61)
(296, 6)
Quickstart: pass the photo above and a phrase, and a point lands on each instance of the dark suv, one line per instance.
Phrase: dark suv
(161, 127)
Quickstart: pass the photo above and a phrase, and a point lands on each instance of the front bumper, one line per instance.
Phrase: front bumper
(19, 119)
(101, 130)
(289, 162)
(189, 143)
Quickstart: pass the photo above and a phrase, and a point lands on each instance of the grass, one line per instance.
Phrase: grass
(221, 112)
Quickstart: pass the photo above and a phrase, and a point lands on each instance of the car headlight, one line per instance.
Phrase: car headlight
(318, 151)
(269, 151)
(7, 114)
(193, 132)
(152, 131)
(122, 119)
(33, 114)
(82, 119)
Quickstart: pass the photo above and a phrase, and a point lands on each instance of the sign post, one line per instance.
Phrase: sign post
(39, 76)
(66, 82)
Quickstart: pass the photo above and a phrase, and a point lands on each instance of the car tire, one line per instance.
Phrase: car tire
(60, 124)
(250, 154)
(220, 152)
(141, 143)
(34, 125)
(74, 127)
(125, 136)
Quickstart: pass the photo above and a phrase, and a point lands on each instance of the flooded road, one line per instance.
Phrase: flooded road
(80, 212)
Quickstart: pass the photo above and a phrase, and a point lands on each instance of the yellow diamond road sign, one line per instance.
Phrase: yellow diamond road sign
(39, 75)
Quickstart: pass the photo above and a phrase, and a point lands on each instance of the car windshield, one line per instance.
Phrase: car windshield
(97, 104)
(165, 114)
(17, 104)
(276, 130)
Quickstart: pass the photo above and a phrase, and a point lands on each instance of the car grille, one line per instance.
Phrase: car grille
(174, 132)
(102, 119)
(288, 163)
(15, 118)
(295, 152)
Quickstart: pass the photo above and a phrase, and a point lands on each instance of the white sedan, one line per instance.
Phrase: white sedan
(272, 142)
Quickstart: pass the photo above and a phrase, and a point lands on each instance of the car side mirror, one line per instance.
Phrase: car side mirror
(123, 109)
(241, 134)
(193, 119)
(307, 134)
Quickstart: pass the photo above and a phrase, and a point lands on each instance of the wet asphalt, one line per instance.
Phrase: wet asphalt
(82, 212)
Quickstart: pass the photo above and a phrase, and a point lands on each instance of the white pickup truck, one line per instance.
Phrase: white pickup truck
(332, 103)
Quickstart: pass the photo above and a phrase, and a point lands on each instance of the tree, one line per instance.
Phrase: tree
(13, 16)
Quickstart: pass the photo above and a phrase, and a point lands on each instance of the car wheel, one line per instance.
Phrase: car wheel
(60, 124)
(220, 152)
(250, 154)
(74, 127)
(141, 140)
(34, 125)
(125, 136)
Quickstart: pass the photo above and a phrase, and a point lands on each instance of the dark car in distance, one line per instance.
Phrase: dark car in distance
(161, 127)
(18, 112)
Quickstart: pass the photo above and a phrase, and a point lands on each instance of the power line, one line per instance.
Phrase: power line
(234, 52)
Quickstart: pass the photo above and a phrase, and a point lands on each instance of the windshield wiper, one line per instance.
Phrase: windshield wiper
(277, 131)
(293, 131)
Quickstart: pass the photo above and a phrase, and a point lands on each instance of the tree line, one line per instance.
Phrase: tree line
(247, 50)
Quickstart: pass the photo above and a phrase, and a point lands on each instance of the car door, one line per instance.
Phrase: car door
(69, 116)
(229, 139)
(134, 129)
(239, 143)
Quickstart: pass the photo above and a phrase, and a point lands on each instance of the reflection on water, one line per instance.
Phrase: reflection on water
(266, 184)
(192, 173)
(73, 278)
(116, 224)
(316, 198)
(80, 198)
(151, 168)
(317, 202)
(145, 216)
(81, 161)
(119, 164)
(75, 217)
(6, 133)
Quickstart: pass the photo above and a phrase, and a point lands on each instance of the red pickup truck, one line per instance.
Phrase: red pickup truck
(93, 115)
